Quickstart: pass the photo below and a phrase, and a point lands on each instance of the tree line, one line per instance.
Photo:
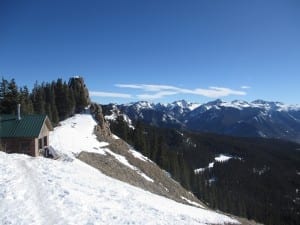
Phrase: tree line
(57, 99)
(260, 182)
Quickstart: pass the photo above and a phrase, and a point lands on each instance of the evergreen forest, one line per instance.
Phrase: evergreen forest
(260, 181)
(57, 99)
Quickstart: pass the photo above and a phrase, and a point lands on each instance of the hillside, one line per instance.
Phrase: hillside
(68, 191)
(255, 178)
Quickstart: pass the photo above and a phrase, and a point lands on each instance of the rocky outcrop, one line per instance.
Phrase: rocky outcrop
(102, 130)
(81, 93)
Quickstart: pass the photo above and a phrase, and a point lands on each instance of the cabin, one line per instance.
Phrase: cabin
(28, 134)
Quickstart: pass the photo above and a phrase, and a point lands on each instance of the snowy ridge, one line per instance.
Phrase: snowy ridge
(258, 118)
(75, 135)
(80, 137)
(238, 104)
(183, 105)
(44, 191)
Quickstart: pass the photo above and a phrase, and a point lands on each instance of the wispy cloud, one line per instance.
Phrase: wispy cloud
(109, 94)
(217, 92)
(245, 87)
(157, 95)
(159, 91)
(148, 87)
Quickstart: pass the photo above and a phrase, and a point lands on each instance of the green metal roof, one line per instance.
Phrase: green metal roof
(28, 126)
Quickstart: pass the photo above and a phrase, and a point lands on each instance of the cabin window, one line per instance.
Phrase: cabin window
(45, 141)
(40, 143)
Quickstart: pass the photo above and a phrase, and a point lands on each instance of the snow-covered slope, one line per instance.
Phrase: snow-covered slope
(45, 191)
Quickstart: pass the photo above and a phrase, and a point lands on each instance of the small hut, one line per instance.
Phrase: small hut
(27, 135)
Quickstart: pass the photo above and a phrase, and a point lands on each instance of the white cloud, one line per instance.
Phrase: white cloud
(165, 90)
(245, 87)
(157, 95)
(147, 87)
(109, 94)
(217, 92)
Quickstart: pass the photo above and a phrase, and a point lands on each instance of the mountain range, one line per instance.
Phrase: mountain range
(258, 118)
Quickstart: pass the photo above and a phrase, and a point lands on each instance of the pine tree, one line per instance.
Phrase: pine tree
(38, 99)
(48, 97)
(3, 93)
(54, 115)
(140, 142)
(9, 96)
(70, 100)
(25, 101)
(60, 99)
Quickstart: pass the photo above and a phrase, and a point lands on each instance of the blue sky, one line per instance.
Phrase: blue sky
(158, 50)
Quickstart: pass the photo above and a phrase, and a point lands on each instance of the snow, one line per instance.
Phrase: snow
(120, 158)
(285, 107)
(143, 105)
(114, 116)
(115, 137)
(200, 170)
(222, 158)
(193, 106)
(236, 104)
(164, 118)
(75, 135)
(128, 121)
(261, 134)
(138, 155)
(111, 117)
(124, 161)
(44, 191)
(240, 105)
(208, 107)
(192, 202)
(211, 165)
(145, 176)
(181, 104)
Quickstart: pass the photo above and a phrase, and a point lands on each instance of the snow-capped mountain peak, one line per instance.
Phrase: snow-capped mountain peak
(184, 105)
(238, 104)
(258, 118)
(144, 105)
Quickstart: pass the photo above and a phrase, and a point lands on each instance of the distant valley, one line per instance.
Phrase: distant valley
(252, 173)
